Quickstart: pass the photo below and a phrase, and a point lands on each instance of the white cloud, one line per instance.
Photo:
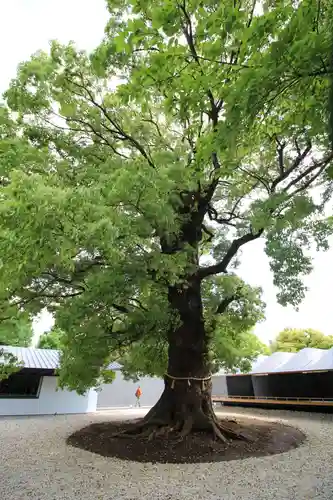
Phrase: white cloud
(27, 26)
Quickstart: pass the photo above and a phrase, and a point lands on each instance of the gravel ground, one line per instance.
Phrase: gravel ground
(35, 463)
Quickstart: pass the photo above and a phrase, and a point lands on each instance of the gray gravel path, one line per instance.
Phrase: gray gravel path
(35, 463)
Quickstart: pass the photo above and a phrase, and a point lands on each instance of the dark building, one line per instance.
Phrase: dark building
(302, 380)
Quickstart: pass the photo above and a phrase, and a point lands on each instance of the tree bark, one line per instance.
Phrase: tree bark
(185, 405)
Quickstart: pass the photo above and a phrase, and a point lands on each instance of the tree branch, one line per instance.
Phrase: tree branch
(139, 304)
(320, 165)
(280, 152)
(120, 309)
(188, 33)
(213, 214)
(208, 232)
(257, 177)
(221, 267)
(122, 135)
(287, 171)
(223, 305)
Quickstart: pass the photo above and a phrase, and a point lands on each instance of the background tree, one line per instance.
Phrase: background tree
(16, 331)
(215, 137)
(293, 340)
(52, 339)
(8, 364)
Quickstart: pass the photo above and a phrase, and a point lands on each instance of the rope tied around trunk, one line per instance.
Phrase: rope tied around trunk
(201, 379)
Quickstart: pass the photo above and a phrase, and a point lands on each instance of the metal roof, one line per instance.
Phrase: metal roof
(46, 359)
(302, 360)
(307, 359)
(273, 362)
(260, 359)
(325, 362)
(256, 363)
(34, 358)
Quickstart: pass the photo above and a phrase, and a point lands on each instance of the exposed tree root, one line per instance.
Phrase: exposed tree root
(162, 432)
(226, 430)
(183, 409)
(187, 427)
(218, 434)
(178, 431)
(133, 430)
(140, 428)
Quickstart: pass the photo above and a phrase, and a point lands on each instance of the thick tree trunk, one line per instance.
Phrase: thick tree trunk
(185, 404)
(187, 383)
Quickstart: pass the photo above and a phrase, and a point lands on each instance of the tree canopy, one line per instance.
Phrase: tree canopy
(51, 339)
(293, 340)
(132, 177)
(230, 350)
(16, 331)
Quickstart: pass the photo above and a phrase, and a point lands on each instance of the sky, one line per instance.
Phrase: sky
(27, 26)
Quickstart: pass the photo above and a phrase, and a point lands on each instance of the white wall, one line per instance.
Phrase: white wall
(50, 401)
(121, 393)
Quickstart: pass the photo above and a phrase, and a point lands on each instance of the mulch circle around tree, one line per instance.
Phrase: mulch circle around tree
(266, 438)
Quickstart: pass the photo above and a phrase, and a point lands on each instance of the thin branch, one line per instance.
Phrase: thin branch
(257, 177)
(188, 33)
(121, 309)
(298, 149)
(321, 165)
(286, 172)
(139, 304)
(308, 183)
(118, 130)
(213, 216)
(235, 55)
(227, 63)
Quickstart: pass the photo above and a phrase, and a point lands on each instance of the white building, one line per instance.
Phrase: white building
(121, 393)
(33, 390)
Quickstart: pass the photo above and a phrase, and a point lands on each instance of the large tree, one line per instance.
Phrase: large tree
(195, 128)
(293, 340)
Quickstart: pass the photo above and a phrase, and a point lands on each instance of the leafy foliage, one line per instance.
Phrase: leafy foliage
(293, 340)
(194, 128)
(51, 339)
(8, 364)
(16, 331)
(230, 349)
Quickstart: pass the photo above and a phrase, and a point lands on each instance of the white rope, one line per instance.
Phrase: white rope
(200, 379)
(187, 378)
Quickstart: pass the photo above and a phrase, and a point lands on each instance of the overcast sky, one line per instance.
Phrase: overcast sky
(28, 25)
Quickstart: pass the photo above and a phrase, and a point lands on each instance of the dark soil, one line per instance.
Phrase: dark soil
(266, 438)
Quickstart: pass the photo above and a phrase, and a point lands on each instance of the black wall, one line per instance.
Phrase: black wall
(240, 385)
(294, 385)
